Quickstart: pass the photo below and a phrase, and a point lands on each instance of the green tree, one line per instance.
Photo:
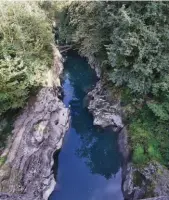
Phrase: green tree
(25, 51)
(129, 41)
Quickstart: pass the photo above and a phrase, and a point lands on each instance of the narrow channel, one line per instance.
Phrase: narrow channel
(89, 164)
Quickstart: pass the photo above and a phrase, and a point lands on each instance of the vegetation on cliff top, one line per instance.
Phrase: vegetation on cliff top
(25, 55)
(25, 51)
(130, 42)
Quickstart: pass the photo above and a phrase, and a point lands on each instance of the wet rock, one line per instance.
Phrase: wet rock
(105, 112)
(145, 182)
(124, 145)
(94, 63)
(138, 183)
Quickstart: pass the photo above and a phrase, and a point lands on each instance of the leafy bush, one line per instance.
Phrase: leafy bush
(151, 135)
(160, 109)
(130, 37)
(2, 160)
(25, 51)
(139, 156)
(138, 46)
(130, 42)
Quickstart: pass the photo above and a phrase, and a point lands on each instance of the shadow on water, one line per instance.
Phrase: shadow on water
(89, 164)
(6, 126)
(56, 163)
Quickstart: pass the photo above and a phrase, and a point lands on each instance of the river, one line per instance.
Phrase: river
(89, 164)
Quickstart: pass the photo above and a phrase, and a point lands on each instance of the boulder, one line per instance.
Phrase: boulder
(106, 113)
(146, 182)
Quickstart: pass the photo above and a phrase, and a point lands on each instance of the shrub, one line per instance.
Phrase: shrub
(130, 41)
(25, 51)
(139, 156)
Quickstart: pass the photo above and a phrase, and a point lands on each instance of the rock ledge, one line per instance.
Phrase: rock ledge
(26, 173)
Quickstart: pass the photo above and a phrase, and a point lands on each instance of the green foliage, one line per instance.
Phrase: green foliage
(138, 51)
(130, 37)
(160, 108)
(139, 156)
(81, 24)
(25, 51)
(130, 42)
(2, 160)
(149, 138)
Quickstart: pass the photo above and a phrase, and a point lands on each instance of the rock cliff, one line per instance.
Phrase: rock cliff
(138, 183)
(105, 112)
(146, 181)
(26, 173)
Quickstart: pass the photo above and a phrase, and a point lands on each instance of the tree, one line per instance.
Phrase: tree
(25, 51)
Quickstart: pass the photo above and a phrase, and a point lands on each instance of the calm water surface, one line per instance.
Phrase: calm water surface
(89, 164)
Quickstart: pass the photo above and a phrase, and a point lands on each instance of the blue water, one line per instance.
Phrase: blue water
(89, 164)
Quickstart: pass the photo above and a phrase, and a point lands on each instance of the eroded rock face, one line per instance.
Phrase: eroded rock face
(148, 181)
(26, 173)
(105, 112)
(138, 183)
(93, 62)
(123, 145)
(38, 133)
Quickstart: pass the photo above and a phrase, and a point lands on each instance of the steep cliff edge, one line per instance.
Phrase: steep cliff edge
(138, 182)
(105, 113)
(26, 172)
(147, 181)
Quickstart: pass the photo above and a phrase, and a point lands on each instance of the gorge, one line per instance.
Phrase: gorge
(89, 164)
(66, 133)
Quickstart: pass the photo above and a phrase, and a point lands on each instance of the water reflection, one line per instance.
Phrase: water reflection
(98, 147)
(89, 162)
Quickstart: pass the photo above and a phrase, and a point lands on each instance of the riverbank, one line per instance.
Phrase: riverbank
(133, 66)
(89, 163)
(138, 182)
(26, 170)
